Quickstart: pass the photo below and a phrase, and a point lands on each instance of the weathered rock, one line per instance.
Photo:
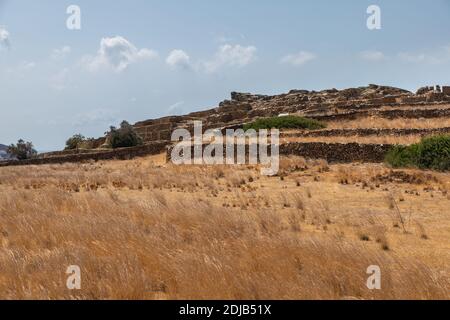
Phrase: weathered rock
(446, 90)
(424, 90)
(435, 96)
(332, 152)
(326, 104)
(122, 154)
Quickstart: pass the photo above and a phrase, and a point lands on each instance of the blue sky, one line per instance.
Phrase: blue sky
(143, 59)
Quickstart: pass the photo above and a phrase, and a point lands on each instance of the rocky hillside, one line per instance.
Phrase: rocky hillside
(361, 123)
(245, 107)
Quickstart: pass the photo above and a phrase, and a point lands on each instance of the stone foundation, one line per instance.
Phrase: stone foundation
(332, 152)
(366, 132)
(338, 152)
(246, 107)
(118, 154)
(326, 105)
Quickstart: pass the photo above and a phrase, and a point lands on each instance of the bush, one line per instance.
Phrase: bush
(435, 153)
(124, 137)
(22, 150)
(430, 153)
(78, 141)
(403, 156)
(285, 122)
(75, 142)
(89, 143)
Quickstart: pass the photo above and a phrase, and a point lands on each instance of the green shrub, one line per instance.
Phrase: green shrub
(434, 153)
(74, 142)
(124, 137)
(78, 141)
(430, 153)
(285, 122)
(89, 143)
(403, 156)
(22, 150)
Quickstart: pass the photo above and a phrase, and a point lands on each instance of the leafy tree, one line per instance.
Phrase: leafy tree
(88, 143)
(124, 137)
(74, 142)
(22, 150)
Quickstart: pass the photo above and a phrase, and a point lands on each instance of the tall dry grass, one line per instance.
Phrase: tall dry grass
(386, 139)
(382, 123)
(139, 230)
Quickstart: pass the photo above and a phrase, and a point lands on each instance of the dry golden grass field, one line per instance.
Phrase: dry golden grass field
(386, 139)
(144, 229)
(380, 123)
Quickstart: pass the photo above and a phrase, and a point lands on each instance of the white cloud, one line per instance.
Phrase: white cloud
(231, 56)
(59, 80)
(4, 38)
(117, 54)
(411, 57)
(26, 65)
(21, 69)
(99, 116)
(372, 55)
(226, 39)
(223, 39)
(179, 59)
(299, 59)
(437, 56)
(176, 108)
(61, 53)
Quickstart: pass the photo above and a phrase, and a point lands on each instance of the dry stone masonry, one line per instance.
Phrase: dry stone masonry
(323, 105)
(327, 105)
(119, 154)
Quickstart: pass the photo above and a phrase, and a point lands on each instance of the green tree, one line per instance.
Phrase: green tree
(22, 150)
(124, 137)
(74, 142)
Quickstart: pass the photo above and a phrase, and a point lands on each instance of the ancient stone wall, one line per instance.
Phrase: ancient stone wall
(366, 132)
(388, 114)
(70, 153)
(338, 153)
(119, 154)
(246, 107)
(446, 90)
(332, 152)
(326, 105)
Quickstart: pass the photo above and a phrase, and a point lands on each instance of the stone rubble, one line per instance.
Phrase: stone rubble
(326, 105)
(246, 107)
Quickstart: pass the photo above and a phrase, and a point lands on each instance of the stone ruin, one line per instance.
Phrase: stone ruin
(326, 105)
(246, 107)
